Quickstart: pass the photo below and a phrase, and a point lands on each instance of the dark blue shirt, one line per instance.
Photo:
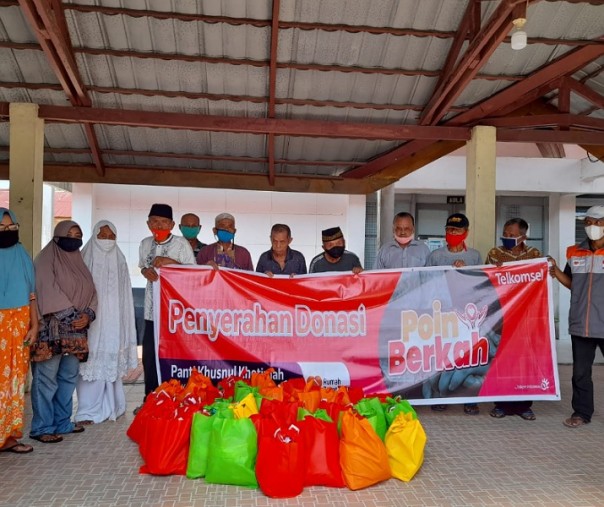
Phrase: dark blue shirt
(294, 263)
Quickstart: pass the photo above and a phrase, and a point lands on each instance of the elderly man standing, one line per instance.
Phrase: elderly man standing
(458, 255)
(335, 257)
(281, 259)
(160, 249)
(403, 250)
(513, 248)
(224, 253)
(584, 276)
(190, 227)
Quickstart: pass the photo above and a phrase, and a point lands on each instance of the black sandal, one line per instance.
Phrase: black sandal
(78, 428)
(47, 438)
(497, 413)
(528, 415)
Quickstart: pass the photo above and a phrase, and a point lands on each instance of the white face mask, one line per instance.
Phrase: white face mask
(595, 232)
(401, 240)
(106, 244)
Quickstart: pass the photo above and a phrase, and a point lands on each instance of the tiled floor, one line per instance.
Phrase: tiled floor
(469, 461)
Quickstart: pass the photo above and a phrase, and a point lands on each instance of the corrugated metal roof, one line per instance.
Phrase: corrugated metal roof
(144, 63)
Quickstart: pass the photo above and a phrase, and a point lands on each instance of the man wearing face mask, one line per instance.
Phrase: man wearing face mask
(514, 248)
(584, 276)
(335, 257)
(458, 255)
(160, 249)
(190, 227)
(224, 253)
(403, 251)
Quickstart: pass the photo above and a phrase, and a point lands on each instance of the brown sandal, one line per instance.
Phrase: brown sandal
(18, 448)
(47, 438)
(575, 421)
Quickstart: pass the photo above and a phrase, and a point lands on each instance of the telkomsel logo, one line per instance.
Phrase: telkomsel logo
(516, 278)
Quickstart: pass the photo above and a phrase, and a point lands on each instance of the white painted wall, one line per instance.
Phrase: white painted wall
(255, 212)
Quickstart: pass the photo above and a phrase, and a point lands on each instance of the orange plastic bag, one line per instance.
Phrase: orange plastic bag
(363, 455)
(264, 379)
(405, 443)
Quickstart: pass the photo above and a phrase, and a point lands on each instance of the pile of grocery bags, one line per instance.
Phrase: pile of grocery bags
(279, 438)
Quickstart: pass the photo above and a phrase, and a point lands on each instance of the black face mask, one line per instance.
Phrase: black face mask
(336, 252)
(69, 244)
(9, 238)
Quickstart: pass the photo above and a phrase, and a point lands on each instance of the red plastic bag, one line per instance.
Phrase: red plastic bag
(322, 453)
(165, 445)
(280, 463)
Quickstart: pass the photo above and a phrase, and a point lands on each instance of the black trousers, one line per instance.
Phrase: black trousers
(149, 363)
(584, 353)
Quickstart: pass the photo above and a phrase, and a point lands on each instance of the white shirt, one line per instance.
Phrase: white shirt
(175, 247)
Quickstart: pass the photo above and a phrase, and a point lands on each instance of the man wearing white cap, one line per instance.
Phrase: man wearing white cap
(224, 253)
(584, 276)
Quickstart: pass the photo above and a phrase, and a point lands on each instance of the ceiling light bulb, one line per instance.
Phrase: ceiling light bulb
(519, 36)
(519, 40)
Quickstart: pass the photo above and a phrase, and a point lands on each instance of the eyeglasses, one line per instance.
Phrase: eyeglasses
(11, 227)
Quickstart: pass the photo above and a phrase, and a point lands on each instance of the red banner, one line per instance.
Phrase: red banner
(432, 335)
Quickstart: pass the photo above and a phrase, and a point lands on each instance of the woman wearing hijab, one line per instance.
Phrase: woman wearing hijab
(18, 328)
(112, 336)
(67, 302)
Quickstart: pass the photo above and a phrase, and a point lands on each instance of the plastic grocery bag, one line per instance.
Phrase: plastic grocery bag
(363, 455)
(322, 452)
(280, 465)
(394, 406)
(201, 428)
(405, 443)
(165, 445)
(246, 407)
(232, 454)
(372, 410)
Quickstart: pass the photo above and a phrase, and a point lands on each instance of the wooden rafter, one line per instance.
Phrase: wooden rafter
(47, 20)
(476, 55)
(504, 103)
(272, 85)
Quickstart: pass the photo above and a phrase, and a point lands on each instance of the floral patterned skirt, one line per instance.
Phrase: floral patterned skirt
(14, 363)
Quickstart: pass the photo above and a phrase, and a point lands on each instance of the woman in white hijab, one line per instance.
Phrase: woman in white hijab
(112, 336)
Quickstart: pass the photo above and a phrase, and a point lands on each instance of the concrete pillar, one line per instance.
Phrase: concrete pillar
(386, 214)
(562, 209)
(26, 172)
(480, 188)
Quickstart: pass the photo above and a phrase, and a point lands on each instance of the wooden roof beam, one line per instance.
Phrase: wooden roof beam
(170, 177)
(476, 55)
(48, 23)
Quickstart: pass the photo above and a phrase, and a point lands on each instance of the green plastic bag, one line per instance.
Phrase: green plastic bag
(372, 410)
(220, 406)
(394, 406)
(320, 413)
(201, 429)
(232, 452)
(242, 390)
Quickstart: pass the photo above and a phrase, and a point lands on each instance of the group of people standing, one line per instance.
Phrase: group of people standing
(70, 312)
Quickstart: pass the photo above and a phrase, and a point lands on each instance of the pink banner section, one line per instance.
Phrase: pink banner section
(431, 335)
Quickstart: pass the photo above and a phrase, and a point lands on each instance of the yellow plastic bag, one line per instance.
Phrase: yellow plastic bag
(405, 442)
(246, 407)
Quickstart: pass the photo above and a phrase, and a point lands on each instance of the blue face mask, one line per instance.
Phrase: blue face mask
(225, 236)
(510, 243)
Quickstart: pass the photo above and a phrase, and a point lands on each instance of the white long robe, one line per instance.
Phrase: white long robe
(111, 337)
